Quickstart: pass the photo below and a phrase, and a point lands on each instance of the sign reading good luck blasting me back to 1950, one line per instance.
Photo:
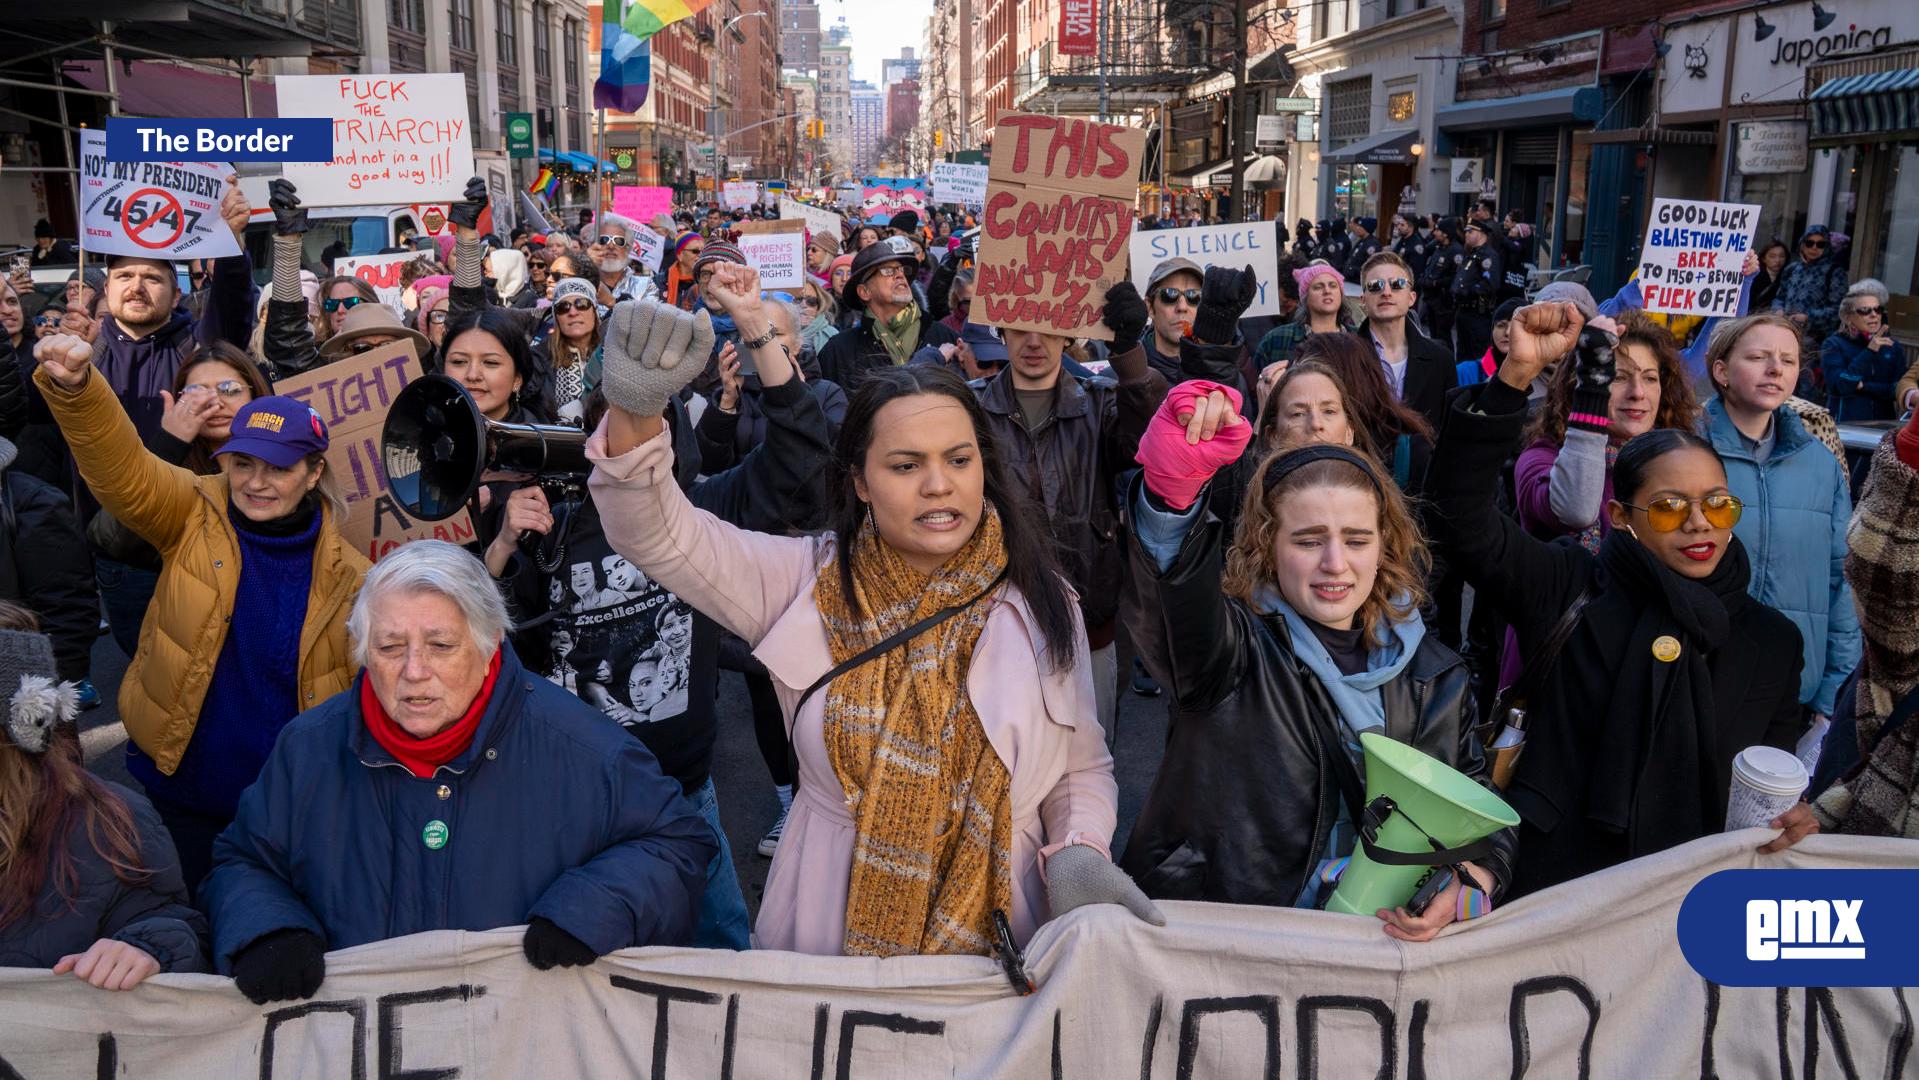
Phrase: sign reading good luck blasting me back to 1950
(1691, 262)
(1059, 209)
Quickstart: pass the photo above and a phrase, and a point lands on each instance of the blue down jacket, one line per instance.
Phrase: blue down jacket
(1794, 529)
(551, 812)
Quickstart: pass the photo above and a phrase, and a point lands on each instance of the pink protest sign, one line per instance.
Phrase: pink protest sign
(642, 203)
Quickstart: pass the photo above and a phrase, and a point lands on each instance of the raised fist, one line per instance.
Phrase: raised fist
(67, 357)
(289, 217)
(466, 213)
(652, 351)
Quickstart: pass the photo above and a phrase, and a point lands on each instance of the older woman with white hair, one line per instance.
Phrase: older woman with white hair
(449, 789)
(1861, 362)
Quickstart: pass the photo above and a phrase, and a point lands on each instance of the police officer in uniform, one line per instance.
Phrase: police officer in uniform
(1364, 231)
(1448, 254)
(1334, 245)
(1412, 242)
(1303, 244)
(1517, 250)
(1476, 288)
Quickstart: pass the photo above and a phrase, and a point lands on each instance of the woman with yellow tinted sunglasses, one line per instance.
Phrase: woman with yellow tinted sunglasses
(1667, 668)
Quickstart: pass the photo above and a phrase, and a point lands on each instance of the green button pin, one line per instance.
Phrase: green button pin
(434, 835)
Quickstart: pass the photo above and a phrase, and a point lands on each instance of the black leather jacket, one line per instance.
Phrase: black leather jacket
(1245, 800)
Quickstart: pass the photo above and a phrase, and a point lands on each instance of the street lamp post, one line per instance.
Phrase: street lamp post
(713, 108)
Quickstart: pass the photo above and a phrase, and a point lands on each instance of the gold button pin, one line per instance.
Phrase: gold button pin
(1665, 648)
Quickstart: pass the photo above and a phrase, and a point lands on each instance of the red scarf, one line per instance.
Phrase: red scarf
(422, 756)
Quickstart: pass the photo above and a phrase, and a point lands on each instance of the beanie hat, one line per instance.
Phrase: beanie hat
(1305, 275)
(906, 221)
(1370, 224)
(1569, 291)
(36, 700)
(843, 260)
(1505, 311)
(568, 288)
(718, 251)
(821, 242)
(685, 238)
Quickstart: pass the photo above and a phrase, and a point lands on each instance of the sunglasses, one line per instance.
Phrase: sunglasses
(358, 347)
(1813, 244)
(810, 301)
(580, 304)
(1380, 285)
(1868, 311)
(889, 270)
(1669, 513)
(1170, 295)
(226, 388)
(610, 240)
(331, 305)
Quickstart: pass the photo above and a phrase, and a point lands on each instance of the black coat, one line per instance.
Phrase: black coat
(1430, 372)
(1246, 798)
(153, 915)
(1608, 696)
(46, 566)
(851, 353)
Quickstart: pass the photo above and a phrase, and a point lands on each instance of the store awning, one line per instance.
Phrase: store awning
(547, 155)
(1385, 148)
(1522, 110)
(1259, 169)
(151, 88)
(1862, 106)
(580, 162)
(1663, 136)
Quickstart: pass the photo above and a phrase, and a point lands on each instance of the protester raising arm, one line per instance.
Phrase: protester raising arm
(230, 302)
(289, 344)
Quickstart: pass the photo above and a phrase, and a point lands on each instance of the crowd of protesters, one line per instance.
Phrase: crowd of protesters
(936, 553)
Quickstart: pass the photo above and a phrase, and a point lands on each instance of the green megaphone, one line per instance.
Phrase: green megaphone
(1412, 799)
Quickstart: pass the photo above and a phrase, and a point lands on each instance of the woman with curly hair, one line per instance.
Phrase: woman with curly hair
(1282, 644)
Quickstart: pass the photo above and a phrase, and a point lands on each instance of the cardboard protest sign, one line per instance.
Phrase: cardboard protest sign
(1693, 258)
(1253, 243)
(380, 271)
(642, 203)
(649, 247)
(819, 220)
(396, 138)
(1059, 209)
(353, 395)
(739, 194)
(1579, 980)
(883, 197)
(750, 227)
(778, 252)
(157, 209)
(957, 183)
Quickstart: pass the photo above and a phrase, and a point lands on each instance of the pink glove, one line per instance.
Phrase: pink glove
(1175, 470)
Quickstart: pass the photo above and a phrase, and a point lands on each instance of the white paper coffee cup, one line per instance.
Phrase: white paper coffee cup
(1766, 782)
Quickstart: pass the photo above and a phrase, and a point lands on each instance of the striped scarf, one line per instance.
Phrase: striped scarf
(932, 813)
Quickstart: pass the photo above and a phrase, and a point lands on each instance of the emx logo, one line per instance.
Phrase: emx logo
(1802, 927)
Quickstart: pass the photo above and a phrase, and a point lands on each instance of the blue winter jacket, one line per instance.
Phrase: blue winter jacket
(1794, 528)
(551, 812)
(1859, 381)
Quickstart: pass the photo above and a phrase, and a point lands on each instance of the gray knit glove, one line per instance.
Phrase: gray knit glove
(652, 350)
(1077, 875)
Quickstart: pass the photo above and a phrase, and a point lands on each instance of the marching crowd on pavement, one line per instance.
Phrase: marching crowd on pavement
(936, 553)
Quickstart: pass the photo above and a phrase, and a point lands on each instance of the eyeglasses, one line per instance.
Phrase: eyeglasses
(578, 304)
(1812, 243)
(1170, 295)
(1380, 285)
(437, 318)
(358, 347)
(1669, 513)
(333, 304)
(612, 240)
(226, 388)
(1868, 311)
(889, 270)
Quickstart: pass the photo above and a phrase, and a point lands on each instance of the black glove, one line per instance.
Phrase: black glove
(1593, 361)
(1125, 315)
(1224, 295)
(289, 217)
(472, 204)
(548, 946)
(286, 965)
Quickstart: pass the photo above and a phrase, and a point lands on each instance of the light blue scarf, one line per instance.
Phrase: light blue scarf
(1357, 697)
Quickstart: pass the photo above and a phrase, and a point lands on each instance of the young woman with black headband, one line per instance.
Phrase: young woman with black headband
(1281, 644)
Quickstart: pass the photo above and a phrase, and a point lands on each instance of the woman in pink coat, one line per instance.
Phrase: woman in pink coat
(939, 782)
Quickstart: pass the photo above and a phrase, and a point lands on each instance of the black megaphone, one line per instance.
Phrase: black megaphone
(438, 448)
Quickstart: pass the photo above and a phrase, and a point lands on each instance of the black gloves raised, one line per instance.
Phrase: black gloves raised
(472, 204)
(1224, 295)
(548, 946)
(1125, 315)
(286, 965)
(289, 217)
(1593, 361)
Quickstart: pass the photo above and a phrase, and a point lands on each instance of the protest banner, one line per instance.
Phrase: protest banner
(819, 220)
(380, 271)
(1059, 208)
(396, 138)
(1237, 246)
(353, 395)
(642, 203)
(739, 194)
(649, 247)
(1576, 981)
(954, 182)
(777, 249)
(882, 197)
(160, 210)
(1691, 262)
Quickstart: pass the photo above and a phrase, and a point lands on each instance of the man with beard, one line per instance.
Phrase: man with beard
(892, 326)
(611, 251)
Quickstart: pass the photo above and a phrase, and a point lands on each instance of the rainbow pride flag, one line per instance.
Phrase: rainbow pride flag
(644, 18)
(541, 181)
(626, 64)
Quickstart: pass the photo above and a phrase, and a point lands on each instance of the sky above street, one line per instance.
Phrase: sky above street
(881, 28)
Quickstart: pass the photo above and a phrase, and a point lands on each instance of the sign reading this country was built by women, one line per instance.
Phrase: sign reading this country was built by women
(159, 209)
(397, 139)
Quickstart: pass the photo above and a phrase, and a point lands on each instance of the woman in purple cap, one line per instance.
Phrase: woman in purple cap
(248, 625)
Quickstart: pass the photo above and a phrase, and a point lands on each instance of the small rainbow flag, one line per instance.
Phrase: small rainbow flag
(644, 18)
(626, 65)
(541, 181)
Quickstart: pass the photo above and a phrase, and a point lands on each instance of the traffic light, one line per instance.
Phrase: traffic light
(939, 138)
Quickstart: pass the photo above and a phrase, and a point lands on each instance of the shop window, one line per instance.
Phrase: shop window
(1576, 178)
(1897, 261)
(1354, 193)
(1781, 198)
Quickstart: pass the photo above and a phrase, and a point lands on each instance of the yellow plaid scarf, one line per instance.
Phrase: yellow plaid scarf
(932, 813)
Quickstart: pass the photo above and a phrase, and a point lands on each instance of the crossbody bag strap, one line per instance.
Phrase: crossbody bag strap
(1539, 665)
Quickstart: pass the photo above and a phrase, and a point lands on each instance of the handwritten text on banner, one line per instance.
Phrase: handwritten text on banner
(1691, 261)
(396, 138)
(160, 210)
